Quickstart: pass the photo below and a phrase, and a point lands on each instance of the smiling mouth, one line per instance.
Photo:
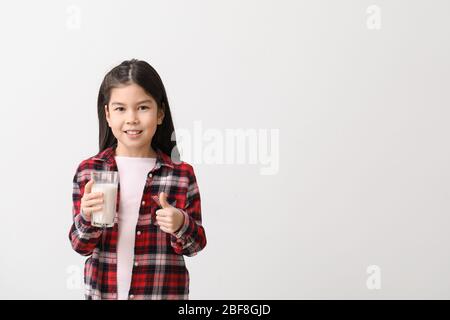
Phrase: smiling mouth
(133, 132)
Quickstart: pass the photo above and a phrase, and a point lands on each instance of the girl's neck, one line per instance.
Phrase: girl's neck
(149, 153)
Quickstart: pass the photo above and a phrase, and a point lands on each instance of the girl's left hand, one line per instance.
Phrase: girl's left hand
(169, 218)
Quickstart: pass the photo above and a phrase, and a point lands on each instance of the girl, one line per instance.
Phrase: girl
(158, 218)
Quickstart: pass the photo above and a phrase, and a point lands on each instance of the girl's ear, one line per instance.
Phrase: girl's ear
(160, 116)
(107, 113)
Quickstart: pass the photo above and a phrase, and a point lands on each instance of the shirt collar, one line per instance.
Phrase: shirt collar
(107, 156)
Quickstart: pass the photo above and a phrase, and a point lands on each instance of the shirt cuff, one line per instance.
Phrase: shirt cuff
(184, 227)
(84, 224)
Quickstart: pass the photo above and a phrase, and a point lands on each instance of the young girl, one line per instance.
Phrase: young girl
(158, 218)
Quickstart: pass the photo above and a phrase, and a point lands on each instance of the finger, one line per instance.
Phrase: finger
(164, 225)
(97, 208)
(93, 209)
(164, 228)
(93, 202)
(161, 213)
(163, 219)
(163, 200)
(91, 199)
(92, 196)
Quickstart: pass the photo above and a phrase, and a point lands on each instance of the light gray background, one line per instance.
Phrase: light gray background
(363, 117)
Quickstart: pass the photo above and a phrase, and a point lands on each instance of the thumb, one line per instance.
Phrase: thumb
(88, 186)
(163, 200)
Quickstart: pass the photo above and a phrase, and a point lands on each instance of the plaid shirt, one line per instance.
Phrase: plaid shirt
(159, 271)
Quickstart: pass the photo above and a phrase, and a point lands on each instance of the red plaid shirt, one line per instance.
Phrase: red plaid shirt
(159, 271)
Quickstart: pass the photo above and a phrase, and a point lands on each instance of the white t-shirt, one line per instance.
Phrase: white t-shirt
(132, 177)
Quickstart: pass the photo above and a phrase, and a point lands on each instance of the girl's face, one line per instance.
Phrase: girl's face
(131, 108)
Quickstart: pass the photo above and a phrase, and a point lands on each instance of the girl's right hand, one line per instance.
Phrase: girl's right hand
(91, 202)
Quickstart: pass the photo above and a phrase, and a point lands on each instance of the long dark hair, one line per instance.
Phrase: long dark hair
(144, 75)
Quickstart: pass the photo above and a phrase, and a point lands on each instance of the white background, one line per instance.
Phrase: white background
(362, 115)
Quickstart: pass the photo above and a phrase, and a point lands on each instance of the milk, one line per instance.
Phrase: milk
(105, 217)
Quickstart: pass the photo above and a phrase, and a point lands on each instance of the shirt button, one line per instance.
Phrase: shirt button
(138, 233)
(143, 202)
(136, 264)
(149, 175)
(131, 296)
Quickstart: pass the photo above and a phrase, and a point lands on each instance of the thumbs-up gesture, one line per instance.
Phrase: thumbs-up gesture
(169, 218)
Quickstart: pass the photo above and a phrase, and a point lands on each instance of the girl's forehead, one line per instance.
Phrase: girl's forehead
(129, 93)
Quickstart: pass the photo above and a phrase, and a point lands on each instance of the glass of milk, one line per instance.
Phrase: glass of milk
(105, 182)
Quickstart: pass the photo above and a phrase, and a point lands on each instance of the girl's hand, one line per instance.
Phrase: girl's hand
(91, 202)
(169, 218)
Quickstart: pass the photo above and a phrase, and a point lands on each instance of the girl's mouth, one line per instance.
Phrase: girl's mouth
(133, 134)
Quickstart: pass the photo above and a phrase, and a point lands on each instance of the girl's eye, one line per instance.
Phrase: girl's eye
(120, 108)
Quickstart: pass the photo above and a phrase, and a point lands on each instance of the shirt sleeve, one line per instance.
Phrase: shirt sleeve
(191, 237)
(83, 236)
